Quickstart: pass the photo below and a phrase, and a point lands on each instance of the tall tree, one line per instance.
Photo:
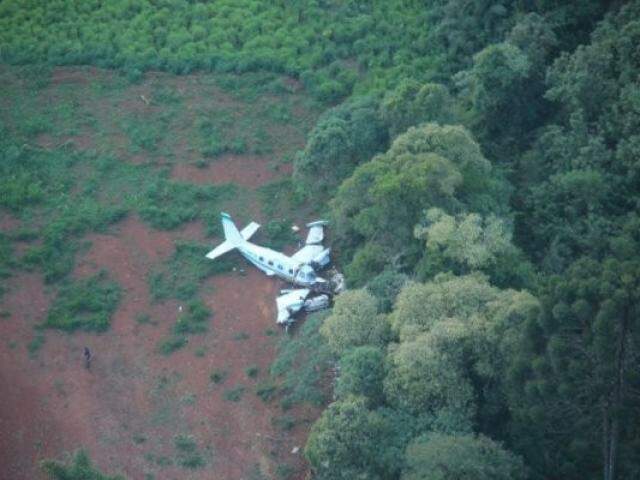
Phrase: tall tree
(436, 456)
(583, 388)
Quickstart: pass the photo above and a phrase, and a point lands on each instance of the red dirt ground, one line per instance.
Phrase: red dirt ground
(51, 404)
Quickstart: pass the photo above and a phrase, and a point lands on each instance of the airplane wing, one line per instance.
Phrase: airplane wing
(290, 303)
(248, 231)
(316, 232)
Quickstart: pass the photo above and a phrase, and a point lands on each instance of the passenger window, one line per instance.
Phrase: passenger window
(291, 271)
(270, 263)
(280, 267)
(262, 259)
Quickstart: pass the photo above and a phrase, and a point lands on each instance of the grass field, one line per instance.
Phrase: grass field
(110, 195)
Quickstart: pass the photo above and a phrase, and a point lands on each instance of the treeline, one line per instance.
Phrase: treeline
(335, 47)
(489, 225)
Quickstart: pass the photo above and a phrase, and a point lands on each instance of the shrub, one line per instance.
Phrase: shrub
(171, 344)
(86, 304)
(252, 371)
(301, 363)
(266, 390)
(77, 468)
(234, 394)
(181, 276)
(192, 319)
(219, 376)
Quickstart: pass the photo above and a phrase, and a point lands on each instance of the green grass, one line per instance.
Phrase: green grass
(266, 390)
(187, 452)
(252, 371)
(284, 422)
(182, 275)
(34, 346)
(171, 344)
(234, 394)
(193, 319)
(79, 467)
(240, 336)
(200, 352)
(85, 304)
(145, 319)
(145, 133)
(277, 197)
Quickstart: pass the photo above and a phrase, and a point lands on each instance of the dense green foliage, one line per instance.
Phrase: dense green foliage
(80, 468)
(460, 457)
(301, 363)
(86, 304)
(524, 176)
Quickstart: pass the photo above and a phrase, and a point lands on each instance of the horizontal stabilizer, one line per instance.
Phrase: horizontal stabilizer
(221, 249)
(316, 232)
(248, 231)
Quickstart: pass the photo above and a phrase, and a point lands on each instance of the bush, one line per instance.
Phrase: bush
(86, 304)
(266, 390)
(219, 376)
(77, 468)
(171, 344)
(192, 319)
(181, 276)
(234, 394)
(302, 362)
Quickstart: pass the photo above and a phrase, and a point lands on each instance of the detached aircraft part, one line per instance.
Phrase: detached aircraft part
(299, 269)
(293, 301)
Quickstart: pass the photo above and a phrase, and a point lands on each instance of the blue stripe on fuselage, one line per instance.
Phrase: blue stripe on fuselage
(253, 253)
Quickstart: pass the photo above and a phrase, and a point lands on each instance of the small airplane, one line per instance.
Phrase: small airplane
(298, 269)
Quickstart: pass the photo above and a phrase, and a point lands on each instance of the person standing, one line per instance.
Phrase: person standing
(87, 358)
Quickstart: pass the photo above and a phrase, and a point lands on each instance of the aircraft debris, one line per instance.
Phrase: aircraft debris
(298, 269)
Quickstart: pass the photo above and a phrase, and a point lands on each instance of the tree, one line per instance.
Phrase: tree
(354, 321)
(361, 374)
(427, 374)
(465, 242)
(458, 337)
(420, 306)
(412, 103)
(584, 352)
(503, 102)
(344, 137)
(385, 288)
(346, 442)
(428, 166)
(582, 171)
(436, 456)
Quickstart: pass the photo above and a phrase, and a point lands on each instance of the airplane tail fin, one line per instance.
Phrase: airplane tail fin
(233, 238)
(231, 233)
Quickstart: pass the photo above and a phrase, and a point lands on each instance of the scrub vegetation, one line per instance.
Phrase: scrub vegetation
(479, 165)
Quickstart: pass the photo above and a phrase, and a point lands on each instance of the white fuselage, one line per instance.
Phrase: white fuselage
(276, 263)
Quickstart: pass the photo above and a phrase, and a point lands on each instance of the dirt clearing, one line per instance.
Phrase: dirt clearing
(193, 414)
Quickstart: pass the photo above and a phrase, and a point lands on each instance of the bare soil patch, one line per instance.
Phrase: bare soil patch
(245, 170)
